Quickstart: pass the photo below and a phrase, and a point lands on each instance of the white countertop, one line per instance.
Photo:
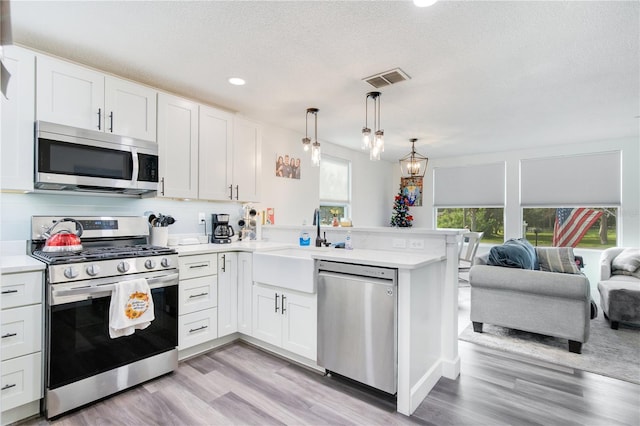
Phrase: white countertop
(19, 263)
(235, 246)
(386, 258)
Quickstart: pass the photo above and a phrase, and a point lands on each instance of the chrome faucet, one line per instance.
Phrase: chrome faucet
(316, 222)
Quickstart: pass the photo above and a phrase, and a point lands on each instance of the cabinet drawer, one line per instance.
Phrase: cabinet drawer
(21, 289)
(21, 331)
(21, 380)
(198, 266)
(197, 294)
(198, 327)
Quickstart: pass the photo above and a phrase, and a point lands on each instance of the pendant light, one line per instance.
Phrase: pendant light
(413, 164)
(373, 142)
(306, 142)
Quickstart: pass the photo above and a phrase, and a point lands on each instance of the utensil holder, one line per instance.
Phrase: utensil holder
(159, 236)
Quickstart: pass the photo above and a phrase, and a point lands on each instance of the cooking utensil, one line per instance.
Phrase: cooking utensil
(64, 239)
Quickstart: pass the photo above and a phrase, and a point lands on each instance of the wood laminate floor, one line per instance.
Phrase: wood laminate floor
(241, 385)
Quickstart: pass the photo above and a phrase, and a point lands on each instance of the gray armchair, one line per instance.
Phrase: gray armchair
(619, 290)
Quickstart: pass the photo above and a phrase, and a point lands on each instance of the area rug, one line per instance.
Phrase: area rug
(612, 353)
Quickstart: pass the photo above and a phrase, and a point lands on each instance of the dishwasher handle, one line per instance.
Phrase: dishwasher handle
(358, 278)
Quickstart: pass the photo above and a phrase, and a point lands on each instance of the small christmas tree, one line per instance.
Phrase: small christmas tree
(401, 217)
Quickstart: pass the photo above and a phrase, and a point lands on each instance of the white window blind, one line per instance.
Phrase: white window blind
(334, 180)
(480, 185)
(578, 180)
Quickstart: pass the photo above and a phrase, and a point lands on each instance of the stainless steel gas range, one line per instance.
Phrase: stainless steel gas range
(83, 363)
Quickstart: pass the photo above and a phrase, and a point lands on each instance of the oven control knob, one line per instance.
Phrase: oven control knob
(71, 272)
(123, 267)
(165, 262)
(93, 270)
(150, 264)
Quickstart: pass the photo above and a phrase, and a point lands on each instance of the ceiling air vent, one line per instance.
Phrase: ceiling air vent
(387, 78)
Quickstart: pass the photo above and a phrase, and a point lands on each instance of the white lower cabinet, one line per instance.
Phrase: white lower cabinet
(286, 318)
(227, 293)
(245, 285)
(21, 340)
(198, 300)
(198, 327)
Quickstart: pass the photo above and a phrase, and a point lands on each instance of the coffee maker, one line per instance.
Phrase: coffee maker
(222, 231)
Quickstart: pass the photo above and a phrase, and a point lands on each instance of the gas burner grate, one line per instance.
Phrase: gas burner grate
(101, 253)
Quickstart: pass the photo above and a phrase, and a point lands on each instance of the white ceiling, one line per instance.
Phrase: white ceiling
(485, 76)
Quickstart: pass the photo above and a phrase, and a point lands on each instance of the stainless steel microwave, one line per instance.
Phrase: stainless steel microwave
(73, 159)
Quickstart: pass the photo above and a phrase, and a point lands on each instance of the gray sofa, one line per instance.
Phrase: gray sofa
(548, 303)
(619, 290)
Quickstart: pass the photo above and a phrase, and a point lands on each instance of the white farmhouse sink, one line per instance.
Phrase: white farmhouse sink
(287, 268)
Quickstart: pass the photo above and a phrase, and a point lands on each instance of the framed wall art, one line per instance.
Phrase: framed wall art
(412, 189)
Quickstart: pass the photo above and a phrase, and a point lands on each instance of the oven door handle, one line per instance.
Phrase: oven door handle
(105, 290)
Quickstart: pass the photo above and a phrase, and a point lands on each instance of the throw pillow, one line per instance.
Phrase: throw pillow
(628, 260)
(512, 254)
(557, 259)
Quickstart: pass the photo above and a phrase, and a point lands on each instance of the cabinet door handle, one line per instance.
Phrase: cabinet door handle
(111, 119)
(277, 302)
(224, 261)
(162, 190)
(197, 295)
(284, 299)
(13, 385)
(9, 291)
(9, 335)
(231, 192)
(198, 329)
(99, 118)
(237, 191)
(202, 265)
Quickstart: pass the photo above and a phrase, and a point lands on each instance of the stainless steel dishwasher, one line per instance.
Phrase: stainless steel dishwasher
(357, 323)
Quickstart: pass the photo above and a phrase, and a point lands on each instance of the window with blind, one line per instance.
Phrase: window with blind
(471, 197)
(335, 189)
(571, 201)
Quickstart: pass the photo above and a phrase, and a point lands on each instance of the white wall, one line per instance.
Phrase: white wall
(294, 200)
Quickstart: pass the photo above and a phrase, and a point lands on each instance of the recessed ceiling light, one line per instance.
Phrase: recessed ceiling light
(236, 81)
(424, 3)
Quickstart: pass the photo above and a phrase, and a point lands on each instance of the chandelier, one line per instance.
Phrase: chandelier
(373, 142)
(306, 142)
(413, 164)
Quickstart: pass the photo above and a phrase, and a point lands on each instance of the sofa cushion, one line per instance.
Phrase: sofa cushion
(628, 260)
(618, 272)
(514, 253)
(557, 259)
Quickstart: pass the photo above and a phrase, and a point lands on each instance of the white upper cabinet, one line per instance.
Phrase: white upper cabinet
(247, 160)
(215, 159)
(18, 114)
(177, 147)
(130, 109)
(77, 96)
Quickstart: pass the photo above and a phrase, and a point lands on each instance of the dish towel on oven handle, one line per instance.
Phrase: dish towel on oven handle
(131, 308)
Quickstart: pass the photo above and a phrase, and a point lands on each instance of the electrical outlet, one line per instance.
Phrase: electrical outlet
(399, 243)
(416, 244)
(201, 218)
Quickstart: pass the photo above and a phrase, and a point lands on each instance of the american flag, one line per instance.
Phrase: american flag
(572, 224)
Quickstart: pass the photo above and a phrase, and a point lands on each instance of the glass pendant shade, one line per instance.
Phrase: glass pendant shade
(315, 153)
(373, 141)
(413, 164)
(366, 138)
(306, 142)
